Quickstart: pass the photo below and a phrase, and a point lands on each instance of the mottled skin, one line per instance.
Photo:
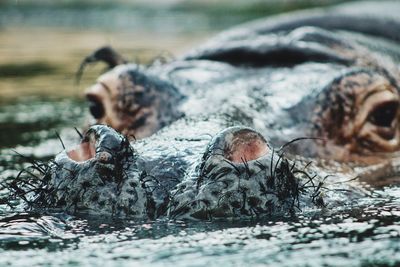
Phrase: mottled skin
(169, 176)
(207, 123)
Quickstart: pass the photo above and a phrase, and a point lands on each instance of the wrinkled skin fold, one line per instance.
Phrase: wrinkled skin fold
(228, 130)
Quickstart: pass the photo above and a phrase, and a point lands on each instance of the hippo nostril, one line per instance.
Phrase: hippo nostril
(244, 144)
(83, 152)
(102, 143)
(96, 108)
(104, 157)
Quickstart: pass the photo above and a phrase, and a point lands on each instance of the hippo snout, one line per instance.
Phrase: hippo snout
(97, 176)
(238, 174)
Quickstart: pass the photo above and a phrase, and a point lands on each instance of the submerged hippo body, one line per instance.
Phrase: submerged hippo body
(211, 127)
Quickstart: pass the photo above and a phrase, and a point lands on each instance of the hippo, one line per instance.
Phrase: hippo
(270, 118)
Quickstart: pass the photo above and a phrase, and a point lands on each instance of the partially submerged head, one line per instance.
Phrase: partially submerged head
(133, 101)
(239, 174)
(359, 114)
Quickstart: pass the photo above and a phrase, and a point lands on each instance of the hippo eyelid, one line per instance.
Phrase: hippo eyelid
(105, 86)
(377, 89)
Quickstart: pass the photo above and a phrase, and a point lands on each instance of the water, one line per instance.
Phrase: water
(364, 236)
(41, 102)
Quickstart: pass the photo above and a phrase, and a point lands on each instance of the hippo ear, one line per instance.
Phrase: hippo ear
(104, 54)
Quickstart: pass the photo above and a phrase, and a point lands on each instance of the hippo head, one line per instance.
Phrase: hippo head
(132, 101)
(358, 114)
(355, 115)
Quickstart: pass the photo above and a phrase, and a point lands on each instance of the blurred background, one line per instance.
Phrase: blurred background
(42, 42)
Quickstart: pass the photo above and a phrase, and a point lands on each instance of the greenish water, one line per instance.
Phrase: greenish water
(163, 17)
(367, 234)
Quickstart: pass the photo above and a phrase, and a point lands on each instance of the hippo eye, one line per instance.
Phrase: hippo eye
(96, 108)
(384, 114)
(139, 94)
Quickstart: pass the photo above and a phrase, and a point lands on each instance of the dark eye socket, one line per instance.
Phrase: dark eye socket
(384, 114)
(96, 108)
(138, 94)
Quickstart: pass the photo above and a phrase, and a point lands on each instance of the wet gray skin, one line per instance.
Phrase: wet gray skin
(187, 176)
(211, 126)
(329, 75)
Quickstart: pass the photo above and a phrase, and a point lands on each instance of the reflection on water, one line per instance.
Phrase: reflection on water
(358, 237)
(31, 120)
(38, 99)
